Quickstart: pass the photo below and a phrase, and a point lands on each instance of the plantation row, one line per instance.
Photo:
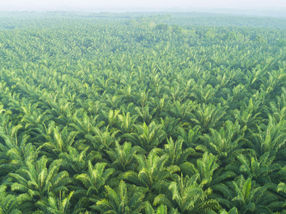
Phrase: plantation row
(132, 115)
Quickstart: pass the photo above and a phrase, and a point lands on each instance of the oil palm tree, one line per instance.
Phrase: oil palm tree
(249, 116)
(57, 141)
(37, 180)
(176, 153)
(208, 116)
(14, 147)
(147, 136)
(75, 161)
(251, 198)
(56, 205)
(124, 199)
(152, 173)
(259, 169)
(91, 183)
(188, 196)
(225, 142)
(126, 122)
(277, 108)
(123, 156)
(269, 138)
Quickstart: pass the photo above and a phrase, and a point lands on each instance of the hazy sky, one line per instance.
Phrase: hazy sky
(138, 4)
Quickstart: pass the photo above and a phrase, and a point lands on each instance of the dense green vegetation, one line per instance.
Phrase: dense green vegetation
(142, 114)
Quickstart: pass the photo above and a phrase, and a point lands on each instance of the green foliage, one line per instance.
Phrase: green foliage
(281, 187)
(152, 174)
(208, 116)
(162, 209)
(123, 156)
(146, 136)
(124, 200)
(251, 198)
(226, 141)
(188, 196)
(177, 155)
(57, 205)
(96, 177)
(153, 114)
(8, 202)
(232, 211)
(37, 181)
